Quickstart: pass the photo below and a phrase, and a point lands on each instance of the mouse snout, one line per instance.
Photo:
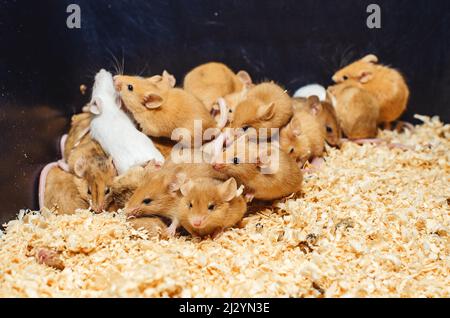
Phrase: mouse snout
(197, 221)
(218, 166)
(98, 208)
(131, 211)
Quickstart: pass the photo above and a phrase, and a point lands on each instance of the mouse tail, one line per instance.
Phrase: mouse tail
(62, 145)
(223, 118)
(42, 182)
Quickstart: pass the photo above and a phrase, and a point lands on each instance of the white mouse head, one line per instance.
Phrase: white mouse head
(103, 93)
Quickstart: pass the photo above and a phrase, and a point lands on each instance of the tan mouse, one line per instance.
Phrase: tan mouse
(60, 191)
(357, 110)
(325, 114)
(160, 109)
(266, 105)
(387, 85)
(266, 172)
(95, 179)
(304, 137)
(209, 206)
(213, 80)
(159, 192)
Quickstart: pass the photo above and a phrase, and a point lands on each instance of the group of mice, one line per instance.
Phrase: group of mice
(119, 153)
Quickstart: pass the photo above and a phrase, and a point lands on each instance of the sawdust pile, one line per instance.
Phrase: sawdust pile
(373, 222)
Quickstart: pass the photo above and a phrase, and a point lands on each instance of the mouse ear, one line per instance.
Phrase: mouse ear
(80, 167)
(152, 101)
(177, 181)
(245, 78)
(267, 164)
(112, 166)
(228, 190)
(95, 106)
(186, 187)
(170, 78)
(365, 76)
(371, 58)
(266, 112)
(315, 105)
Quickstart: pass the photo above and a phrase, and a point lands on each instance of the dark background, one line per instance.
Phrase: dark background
(294, 42)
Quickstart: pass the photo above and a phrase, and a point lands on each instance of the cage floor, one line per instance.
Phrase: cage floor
(374, 222)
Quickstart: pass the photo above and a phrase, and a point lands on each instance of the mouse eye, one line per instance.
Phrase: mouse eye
(245, 128)
(107, 190)
(190, 205)
(236, 160)
(292, 150)
(211, 207)
(230, 110)
(130, 87)
(329, 129)
(89, 191)
(345, 77)
(147, 201)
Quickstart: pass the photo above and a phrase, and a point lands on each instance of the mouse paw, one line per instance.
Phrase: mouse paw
(216, 234)
(172, 229)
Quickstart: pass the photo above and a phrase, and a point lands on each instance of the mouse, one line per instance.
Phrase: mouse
(266, 105)
(123, 186)
(357, 110)
(304, 137)
(311, 90)
(387, 85)
(209, 206)
(115, 131)
(158, 195)
(325, 113)
(161, 110)
(266, 172)
(58, 191)
(94, 181)
(213, 80)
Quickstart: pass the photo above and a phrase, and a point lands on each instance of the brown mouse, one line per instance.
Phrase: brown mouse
(160, 109)
(304, 137)
(213, 80)
(60, 192)
(159, 193)
(79, 129)
(266, 172)
(357, 110)
(325, 114)
(387, 85)
(95, 179)
(124, 185)
(209, 206)
(266, 105)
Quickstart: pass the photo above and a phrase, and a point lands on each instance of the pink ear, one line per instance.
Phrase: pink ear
(95, 106)
(80, 167)
(371, 58)
(170, 78)
(245, 78)
(365, 77)
(152, 101)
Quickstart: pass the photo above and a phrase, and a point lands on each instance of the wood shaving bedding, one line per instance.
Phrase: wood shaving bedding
(373, 222)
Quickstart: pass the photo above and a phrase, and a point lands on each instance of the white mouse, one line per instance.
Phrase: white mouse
(115, 131)
(310, 90)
